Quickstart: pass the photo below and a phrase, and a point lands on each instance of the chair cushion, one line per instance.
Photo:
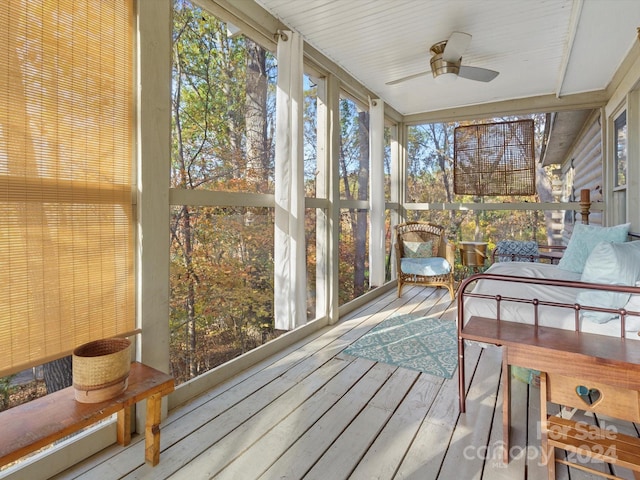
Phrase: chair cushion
(515, 247)
(425, 266)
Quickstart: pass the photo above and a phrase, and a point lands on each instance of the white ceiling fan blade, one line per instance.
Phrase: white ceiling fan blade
(456, 46)
(476, 73)
(409, 77)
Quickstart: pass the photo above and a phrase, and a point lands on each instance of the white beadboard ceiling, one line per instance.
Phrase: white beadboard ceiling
(540, 47)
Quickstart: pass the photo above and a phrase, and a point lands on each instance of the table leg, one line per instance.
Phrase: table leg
(124, 426)
(152, 429)
(506, 403)
(461, 381)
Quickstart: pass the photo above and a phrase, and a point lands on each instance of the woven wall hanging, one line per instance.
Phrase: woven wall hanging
(494, 159)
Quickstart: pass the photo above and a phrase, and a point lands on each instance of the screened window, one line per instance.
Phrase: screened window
(620, 126)
(310, 139)
(619, 205)
(222, 244)
(66, 117)
(354, 185)
(223, 108)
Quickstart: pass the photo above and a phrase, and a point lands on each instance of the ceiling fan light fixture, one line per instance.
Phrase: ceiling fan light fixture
(446, 78)
(443, 71)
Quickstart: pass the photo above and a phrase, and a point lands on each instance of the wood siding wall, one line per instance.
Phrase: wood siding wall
(583, 168)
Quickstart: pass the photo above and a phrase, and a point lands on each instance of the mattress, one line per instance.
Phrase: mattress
(550, 316)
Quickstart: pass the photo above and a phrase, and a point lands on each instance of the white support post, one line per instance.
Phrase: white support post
(333, 212)
(289, 242)
(396, 188)
(154, 160)
(322, 191)
(376, 194)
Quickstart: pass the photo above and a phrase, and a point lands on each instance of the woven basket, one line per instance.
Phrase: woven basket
(101, 369)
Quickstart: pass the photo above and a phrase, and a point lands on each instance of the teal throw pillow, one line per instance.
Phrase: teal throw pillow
(516, 251)
(584, 239)
(611, 264)
(418, 249)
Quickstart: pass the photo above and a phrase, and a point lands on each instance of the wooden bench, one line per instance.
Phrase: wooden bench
(31, 426)
(590, 357)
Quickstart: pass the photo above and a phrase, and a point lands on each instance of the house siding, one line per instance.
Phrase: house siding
(582, 169)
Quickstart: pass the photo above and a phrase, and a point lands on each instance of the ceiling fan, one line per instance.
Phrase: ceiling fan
(446, 59)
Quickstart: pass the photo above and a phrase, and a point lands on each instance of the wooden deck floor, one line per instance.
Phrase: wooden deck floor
(314, 412)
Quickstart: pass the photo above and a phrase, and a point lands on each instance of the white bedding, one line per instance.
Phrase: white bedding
(548, 316)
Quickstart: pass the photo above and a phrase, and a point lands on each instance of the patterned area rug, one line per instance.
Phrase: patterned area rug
(411, 341)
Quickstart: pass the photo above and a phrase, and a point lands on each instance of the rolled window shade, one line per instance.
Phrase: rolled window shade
(66, 152)
(495, 158)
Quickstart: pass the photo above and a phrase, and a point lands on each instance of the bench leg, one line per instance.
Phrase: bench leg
(124, 426)
(152, 429)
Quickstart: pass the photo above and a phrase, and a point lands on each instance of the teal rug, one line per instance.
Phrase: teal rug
(425, 344)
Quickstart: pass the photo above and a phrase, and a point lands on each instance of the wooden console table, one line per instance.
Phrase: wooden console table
(599, 358)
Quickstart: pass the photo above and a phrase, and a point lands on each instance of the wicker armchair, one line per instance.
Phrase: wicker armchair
(423, 256)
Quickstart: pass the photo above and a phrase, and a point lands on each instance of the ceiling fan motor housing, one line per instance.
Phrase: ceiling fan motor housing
(440, 66)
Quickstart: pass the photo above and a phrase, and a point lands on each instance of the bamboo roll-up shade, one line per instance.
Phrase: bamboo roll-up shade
(66, 123)
(494, 159)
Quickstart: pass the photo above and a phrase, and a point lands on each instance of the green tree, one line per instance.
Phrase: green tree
(221, 257)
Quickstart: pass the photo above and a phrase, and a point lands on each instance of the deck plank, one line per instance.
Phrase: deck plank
(427, 451)
(389, 448)
(494, 467)
(217, 456)
(345, 453)
(255, 460)
(473, 427)
(306, 451)
(536, 470)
